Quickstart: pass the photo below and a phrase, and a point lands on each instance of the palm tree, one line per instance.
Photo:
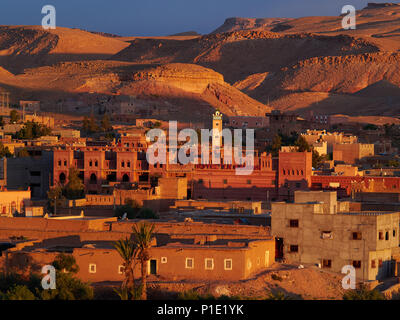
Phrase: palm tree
(127, 250)
(143, 236)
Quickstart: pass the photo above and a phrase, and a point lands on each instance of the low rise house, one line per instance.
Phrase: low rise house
(13, 201)
(193, 251)
(317, 229)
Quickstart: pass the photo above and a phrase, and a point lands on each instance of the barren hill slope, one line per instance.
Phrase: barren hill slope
(237, 55)
(191, 91)
(303, 64)
(379, 21)
(30, 46)
(238, 24)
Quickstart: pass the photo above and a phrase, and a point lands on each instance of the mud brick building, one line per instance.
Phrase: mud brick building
(317, 229)
(180, 250)
(12, 201)
(352, 152)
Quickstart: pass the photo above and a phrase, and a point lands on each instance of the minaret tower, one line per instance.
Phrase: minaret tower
(217, 129)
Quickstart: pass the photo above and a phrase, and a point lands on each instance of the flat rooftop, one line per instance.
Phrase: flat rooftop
(368, 213)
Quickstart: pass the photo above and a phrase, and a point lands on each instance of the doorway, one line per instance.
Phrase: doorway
(153, 266)
(278, 248)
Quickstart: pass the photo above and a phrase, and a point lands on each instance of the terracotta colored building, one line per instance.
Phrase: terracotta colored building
(294, 173)
(180, 250)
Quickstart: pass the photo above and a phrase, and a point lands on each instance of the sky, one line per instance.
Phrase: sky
(163, 17)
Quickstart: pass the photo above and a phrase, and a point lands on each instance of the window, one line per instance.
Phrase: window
(90, 163)
(209, 263)
(326, 235)
(96, 164)
(248, 181)
(326, 263)
(65, 163)
(164, 259)
(228, 264)
(294, 223)
(380, 235)
(189, 263)
(59, 163)
(122, 164)
(357, 264)
(357, 236)
(394, 233)
(373, 264)
(120, 269)
(129, 164)
(387, 235)
(380, 263)
(294, 248)
(92, 268)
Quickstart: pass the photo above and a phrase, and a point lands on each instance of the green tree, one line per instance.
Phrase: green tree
(19, 292)
(85, 124)
(67, 288)
(105, 123)
(33, 130)
(393, 163)
(317, 159)
(131, 208)
(147, 213)
(363, 293)
(23, 153)
(74, 188)
(53, 195)
(14, 116)
(278, 296)
(89, 125)
(276, 145)
(127, 249)
(4, 151)
(65, 262)
(302, 144)
(143, 235)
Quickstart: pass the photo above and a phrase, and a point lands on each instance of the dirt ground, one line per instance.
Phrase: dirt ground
(309, 283)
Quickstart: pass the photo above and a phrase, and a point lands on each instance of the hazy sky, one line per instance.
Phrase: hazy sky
(163, 17)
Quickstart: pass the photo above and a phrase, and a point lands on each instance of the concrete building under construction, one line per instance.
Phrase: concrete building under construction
(317, 229)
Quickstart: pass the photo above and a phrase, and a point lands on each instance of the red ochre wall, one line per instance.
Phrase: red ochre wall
(107, 262)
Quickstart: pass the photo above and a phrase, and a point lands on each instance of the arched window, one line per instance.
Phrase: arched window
(125, 178)
(62, 178)
(93, 179)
